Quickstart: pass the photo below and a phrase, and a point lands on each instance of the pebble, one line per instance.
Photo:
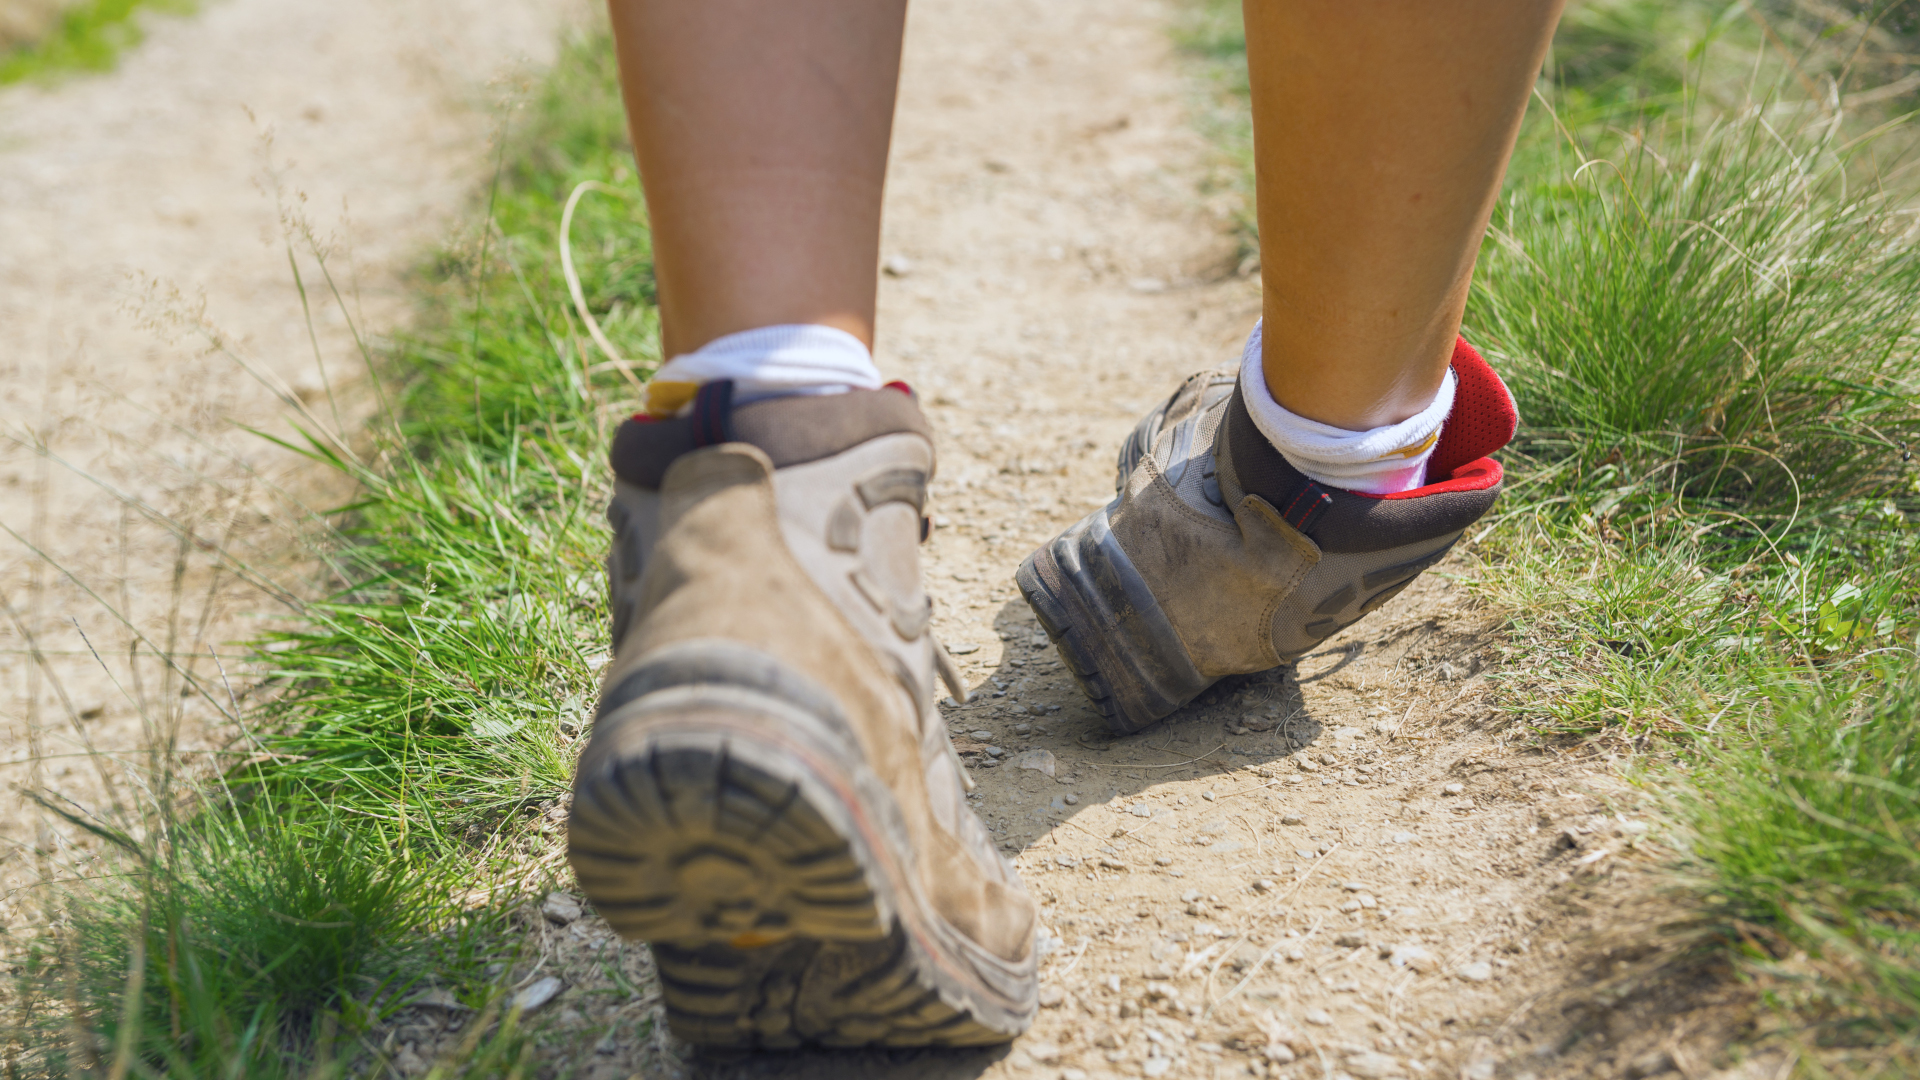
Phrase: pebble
(1413, 957)
(1306, 764)
(1071, 799)
(1042, 1052)
(1140, 809)
(537, 995)
(963, 648)
(561, 908)
(1163, 860)
(1373, 1065)
(1262, 885)
(1352, 939)
(897, 266)
(1478, 971)
(1350, 906)
(1293, 819)
(1037, 709)
(1190, 896)
(1040, 761)
(1354, 886)
(1022, 729)
(1155, 1066)
(996, 751)
(1651, 1063)
(1039, 641)
(1453, 789)
(1210, 797)
(982, 735)
(1319, 1017)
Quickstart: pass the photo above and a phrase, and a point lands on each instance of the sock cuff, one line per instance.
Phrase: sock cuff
(1381, 460)
(766, 362)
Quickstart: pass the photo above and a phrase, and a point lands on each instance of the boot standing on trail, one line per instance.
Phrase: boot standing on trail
(769, 797)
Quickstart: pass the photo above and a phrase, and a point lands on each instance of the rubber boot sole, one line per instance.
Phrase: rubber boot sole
(1115, 640)
(733, 829)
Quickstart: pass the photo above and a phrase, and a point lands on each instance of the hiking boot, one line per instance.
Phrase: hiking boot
(769, 797)
(1220, 558)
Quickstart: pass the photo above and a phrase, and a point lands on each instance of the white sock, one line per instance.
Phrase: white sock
(1379, 461)
(772, 361)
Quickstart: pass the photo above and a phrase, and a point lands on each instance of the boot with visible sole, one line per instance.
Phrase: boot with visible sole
(769, 797)
(1220, 558)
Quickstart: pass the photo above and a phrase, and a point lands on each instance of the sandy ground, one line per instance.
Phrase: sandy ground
(1336, 871)
(144, 214)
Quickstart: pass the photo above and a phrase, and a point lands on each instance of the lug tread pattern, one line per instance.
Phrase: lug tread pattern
(689, 848)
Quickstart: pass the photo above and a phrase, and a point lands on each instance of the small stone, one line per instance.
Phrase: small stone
(1157, 973)
(1306, 764)
(1354, 886)
(1073, 1074)
(1052, 997)
(1262, 885)
(1403, 838)
(1196, 910)
(1155, 1067)
(964, 648)
(1350, 906)
(1140, 809)
(1329, 759)
(1303, 853)
(1037, 709)
(537, 995)
(1372, 1065)
(1022, 729)
(1651, 1063)
(1039, 640)
(1040, 761)
(1367, 901)
(1208, 795)
(1453, 789)
(1479, 971)
(1317, 1017)
(439, 997)
(1070, 799)
(1163, 860)
(996, 751)
(1352, 939)
(1042, 1052)
(561, 909)
(1293, 819)
(897, 266)
(1190, 896)
(1568, 839)
(1279, 1053)
(1413, 957)
(91, 710)
(982, 735)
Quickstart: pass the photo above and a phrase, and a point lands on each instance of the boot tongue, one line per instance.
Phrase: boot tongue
(790, 430)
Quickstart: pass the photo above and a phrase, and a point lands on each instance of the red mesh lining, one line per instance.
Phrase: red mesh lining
(1483, 420)
(900, 385)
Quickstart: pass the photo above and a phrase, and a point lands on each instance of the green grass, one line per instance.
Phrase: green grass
(1702, 288)
(1812, 828)
(415, 719)
(89, 36)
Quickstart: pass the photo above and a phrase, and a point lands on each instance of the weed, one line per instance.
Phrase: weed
(87, 36)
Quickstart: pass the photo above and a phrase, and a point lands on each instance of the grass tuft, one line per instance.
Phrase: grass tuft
(86, 36)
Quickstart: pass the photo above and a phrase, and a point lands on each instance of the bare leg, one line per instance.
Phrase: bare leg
(1381, 131)
(761, 130)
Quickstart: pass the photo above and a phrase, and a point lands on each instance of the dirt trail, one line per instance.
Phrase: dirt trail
(137, 207)
(1218, 890)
